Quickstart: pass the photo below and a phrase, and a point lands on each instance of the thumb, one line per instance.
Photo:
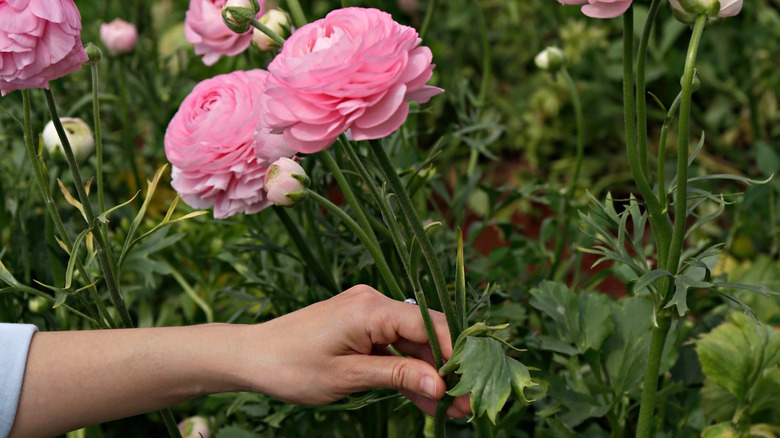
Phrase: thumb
(401, 373)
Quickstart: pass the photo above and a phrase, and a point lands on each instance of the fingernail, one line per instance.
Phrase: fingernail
(428, 386)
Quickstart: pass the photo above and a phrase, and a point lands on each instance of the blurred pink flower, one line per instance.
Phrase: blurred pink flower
(600, 8)
(40, 40)
(355, 69)
(204, 28)
(211, 143)
(118, 36)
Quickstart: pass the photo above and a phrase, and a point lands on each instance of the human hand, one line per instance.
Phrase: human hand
(328, 350)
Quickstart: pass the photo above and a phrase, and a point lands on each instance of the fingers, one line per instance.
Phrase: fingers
(388, 320)
(401, 373)
(427, 405)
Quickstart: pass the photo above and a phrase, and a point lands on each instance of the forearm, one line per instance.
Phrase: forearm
(78, 378)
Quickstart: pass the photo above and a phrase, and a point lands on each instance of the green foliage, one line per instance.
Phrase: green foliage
(741, 361)
(486, 372)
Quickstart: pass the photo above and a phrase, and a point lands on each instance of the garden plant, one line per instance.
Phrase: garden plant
(584, 188)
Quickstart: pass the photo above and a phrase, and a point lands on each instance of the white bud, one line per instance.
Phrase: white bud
(276, 20)
(79, 136)
(551, 58)
(195, 427)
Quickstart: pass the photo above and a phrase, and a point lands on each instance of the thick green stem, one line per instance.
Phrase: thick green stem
(102, 245)
(372, 247)
(440, 418)
(565, 217)
(51, 207)
(324, 277)
(658, 220)
(453, 321)
(650, 385)
(681, 197)
(299, 18)
(662, 152)
(641, 98)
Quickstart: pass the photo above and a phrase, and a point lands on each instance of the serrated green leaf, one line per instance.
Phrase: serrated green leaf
(649, 278)
(582, 319)
(489, 375)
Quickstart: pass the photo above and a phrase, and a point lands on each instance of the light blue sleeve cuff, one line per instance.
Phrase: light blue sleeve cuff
(14, 345)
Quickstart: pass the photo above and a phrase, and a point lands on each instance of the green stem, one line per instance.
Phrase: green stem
(400, 246)
(324, 278)
(98, 145)
(440, 418)
(297, 13)
(650, 385)
(565, 218)
(662, 196)
(51, 207)
(349, 195)
(681, 197)
(453, 321)
(102, 246)
(103, 250)
(658, 220)
(372, 247)
(641, 95)
(428, 18)
(266, 30)
(128, 147)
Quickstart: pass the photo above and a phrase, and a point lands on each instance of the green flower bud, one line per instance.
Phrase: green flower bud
(94, 53)
(238, 14)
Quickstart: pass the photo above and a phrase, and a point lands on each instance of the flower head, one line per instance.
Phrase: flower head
(213, 145)
(286, 182)
(203, 27)
(687, 10)
(79, 136)
(40, 40)
(354, 69)
(600, 8)
(119, 36)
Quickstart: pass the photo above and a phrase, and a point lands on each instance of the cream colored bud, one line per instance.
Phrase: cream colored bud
(551, 59)
(79, 136)
(276, 20)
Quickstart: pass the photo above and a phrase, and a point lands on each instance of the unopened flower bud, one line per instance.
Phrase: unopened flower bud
(276, 20)
(551, 59)
(286, 182)
(195, 427)
(238, 14)
(687, 10)
(118, 36)
(79, 136)
(94, 53)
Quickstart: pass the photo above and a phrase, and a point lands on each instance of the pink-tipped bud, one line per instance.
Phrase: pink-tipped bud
(286, 182)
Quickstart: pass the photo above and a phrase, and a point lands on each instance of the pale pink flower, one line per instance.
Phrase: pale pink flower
(211, 143)
(600, 8)
(286, 182)
(355, 69)
(40, 40)
(204, 28)
(119, 36)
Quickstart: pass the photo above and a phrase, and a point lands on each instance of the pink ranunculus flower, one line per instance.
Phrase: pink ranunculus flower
(600, 8)
(355, 69)
(211, 143)
(40, 40)
(119, 36)
(204, 28)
